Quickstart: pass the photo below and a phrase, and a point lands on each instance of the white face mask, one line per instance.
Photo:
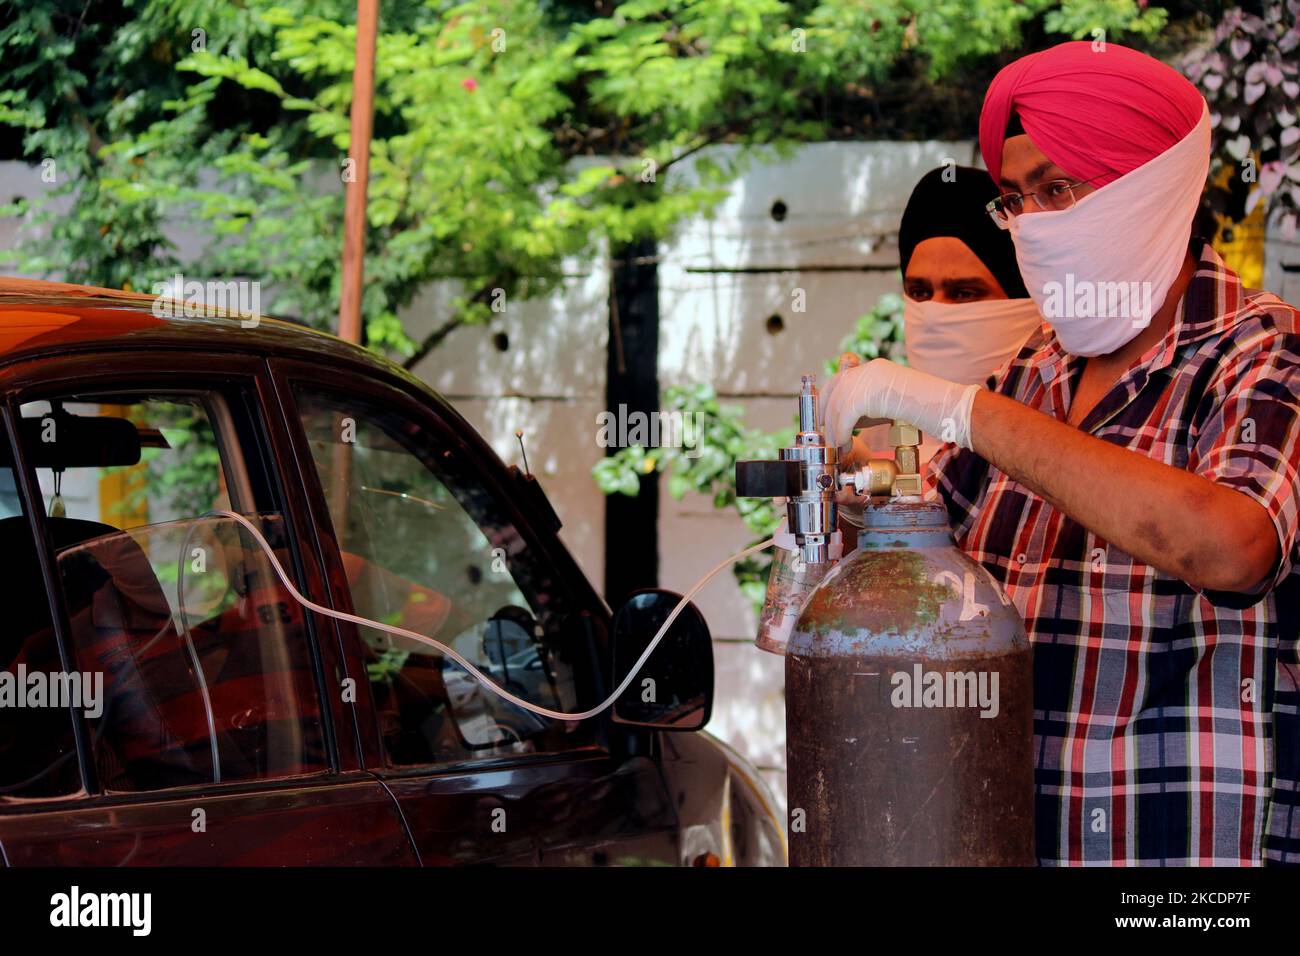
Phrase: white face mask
(966, 342)
(1100, 270)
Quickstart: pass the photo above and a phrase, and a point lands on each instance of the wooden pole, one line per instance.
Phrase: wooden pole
(354, 209)
(354, 233)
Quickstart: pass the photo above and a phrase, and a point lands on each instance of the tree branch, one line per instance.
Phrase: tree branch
(434, 338)
(706, 141)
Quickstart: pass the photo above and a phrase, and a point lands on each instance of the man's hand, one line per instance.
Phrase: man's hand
(883, 389)
(858, 452)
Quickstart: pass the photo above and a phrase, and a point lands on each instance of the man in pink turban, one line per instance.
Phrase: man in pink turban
(1130, 477)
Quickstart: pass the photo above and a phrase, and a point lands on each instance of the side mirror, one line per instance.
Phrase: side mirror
(674, 690)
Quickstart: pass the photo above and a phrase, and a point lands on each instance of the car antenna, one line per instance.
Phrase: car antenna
(519, 433)
(57, 508)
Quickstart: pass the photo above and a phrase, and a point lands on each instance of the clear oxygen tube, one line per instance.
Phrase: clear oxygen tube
(473, 671)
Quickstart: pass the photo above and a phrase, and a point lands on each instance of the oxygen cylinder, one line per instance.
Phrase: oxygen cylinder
(908, 690)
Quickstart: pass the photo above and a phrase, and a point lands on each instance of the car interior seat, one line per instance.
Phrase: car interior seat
(151, 734)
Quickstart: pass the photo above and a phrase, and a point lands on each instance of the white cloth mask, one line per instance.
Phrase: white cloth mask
(1101, 269)
(966, 342)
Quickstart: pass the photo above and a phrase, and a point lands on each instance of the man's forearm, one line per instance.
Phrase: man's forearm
(1206, 534)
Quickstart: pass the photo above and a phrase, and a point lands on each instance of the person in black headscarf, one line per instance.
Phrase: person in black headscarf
(965, 307)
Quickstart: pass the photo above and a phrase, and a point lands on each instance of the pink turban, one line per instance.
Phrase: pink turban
(1097, 115)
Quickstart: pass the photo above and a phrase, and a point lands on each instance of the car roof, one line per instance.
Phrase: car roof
(38, 317)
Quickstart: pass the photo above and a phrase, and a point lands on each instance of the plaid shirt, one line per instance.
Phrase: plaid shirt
(1166, 727)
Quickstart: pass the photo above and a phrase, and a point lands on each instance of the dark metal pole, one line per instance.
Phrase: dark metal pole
(632, 380)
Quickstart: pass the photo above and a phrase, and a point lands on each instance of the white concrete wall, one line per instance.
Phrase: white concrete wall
(17, 181)
(549, 381)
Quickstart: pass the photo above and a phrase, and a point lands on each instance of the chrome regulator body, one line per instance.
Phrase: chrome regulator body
(808, 476)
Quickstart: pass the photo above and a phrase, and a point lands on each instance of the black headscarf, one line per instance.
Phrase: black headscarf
(956, 208)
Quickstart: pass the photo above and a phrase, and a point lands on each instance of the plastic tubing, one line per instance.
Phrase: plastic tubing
(473, 671)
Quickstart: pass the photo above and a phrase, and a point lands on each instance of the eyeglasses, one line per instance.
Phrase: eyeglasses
(1054, 196)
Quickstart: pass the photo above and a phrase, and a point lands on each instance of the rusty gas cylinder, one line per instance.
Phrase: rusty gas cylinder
(909, 728)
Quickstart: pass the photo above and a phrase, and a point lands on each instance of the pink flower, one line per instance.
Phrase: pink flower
(469, 83)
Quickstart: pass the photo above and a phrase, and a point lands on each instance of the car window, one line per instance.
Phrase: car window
(38, 754)
(425, 546)
(201, 653)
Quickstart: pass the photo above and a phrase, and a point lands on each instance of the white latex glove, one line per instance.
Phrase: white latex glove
(858, 452)
(855, 456)
(882, 389)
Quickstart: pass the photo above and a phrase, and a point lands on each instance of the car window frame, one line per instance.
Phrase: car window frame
(164, 371)
(375, 385)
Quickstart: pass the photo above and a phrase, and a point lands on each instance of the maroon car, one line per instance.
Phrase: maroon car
(166, 699)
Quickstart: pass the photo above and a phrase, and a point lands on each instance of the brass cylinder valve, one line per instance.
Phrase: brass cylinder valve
(897, 477)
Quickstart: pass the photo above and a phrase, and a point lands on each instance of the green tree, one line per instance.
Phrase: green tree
(73, 85)
(508, 136)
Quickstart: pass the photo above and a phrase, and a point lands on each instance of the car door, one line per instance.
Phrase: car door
(423, 528)
(211, 739)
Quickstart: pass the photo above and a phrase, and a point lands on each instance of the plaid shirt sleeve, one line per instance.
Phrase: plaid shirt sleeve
(1246, 434)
